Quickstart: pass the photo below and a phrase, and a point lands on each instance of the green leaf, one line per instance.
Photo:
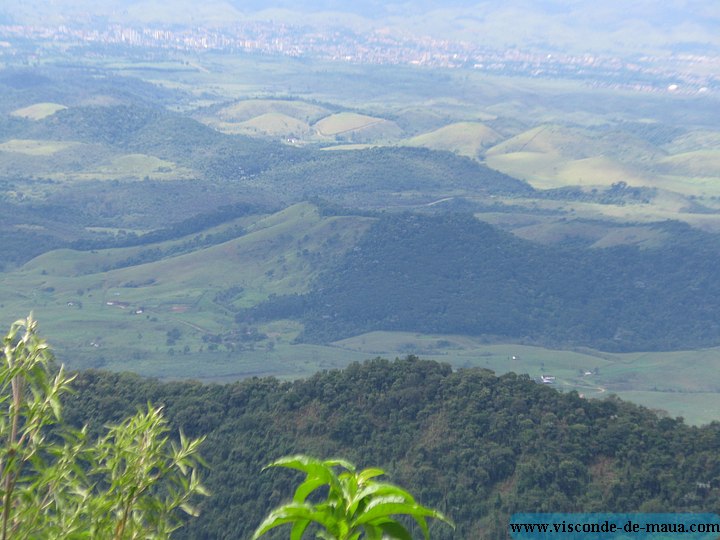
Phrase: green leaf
(306, 488)
(299, 529)
(367, 474)
(377, 489)
(291, 513)
(395, 530)
(389, 506)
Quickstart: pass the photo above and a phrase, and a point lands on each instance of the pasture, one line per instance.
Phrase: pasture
(681, 383)
(34, 147)
(158, 314)
(38, 111)
(464, 138)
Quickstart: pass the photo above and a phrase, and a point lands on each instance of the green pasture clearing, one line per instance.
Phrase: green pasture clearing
(547, 139)
(243, 111)
(464, 138)
(35, 147)
(132, 166)
(550, 156)
(275, 125)
(38, 111)
(696, 186)
(275, 256)
(345, 122)
(536, 168)
(120, 319)
(599, 171)
(699, 139)
(697, 163)
(595, 234)
(689, 378)
(695, 407)
(342, 147)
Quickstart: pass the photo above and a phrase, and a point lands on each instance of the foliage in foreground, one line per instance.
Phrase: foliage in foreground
(57, 483)
(356, 503)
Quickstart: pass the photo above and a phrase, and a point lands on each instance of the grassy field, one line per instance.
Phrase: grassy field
(464, 138)
(345, 123)
(682, 383)
(252, 108)
(38, 111)
(700, 163)
(275, 125)
(122, 318)
(132, 166)
(32, 147)
(266, 118)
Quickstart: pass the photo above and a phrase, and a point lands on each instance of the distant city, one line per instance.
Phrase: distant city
(681, 73)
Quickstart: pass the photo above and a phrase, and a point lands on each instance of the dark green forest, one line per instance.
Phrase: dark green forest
(476, 446)
(454, 274)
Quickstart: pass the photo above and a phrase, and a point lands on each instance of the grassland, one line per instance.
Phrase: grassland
(681, 383)
(132, 166)
(550, 133)
(265, 118)
(464, 138)
(100, 312)
(38, 111)
(252, 108)
(31, 147)
(276, 125)
(349, 124)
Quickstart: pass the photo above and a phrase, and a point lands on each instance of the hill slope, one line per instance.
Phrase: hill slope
(476, 446)
(464, 138)
(453, 274)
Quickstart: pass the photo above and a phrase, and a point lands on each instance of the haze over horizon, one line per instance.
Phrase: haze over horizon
(574, 26)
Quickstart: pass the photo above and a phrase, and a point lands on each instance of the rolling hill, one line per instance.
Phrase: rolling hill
(464, 138)
(245, 110)
(38, 111)
(95, 299)
(552, 156)
(274, 125)
(477, 446)
(452, 274)
(356, 127)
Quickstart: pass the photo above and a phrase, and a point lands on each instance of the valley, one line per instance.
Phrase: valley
(149, 214)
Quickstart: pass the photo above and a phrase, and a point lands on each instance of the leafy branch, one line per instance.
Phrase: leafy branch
(356, 506)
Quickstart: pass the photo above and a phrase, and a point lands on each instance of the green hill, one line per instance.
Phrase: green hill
(452, 274)
(464, 138)
(275, 125)
(245, 110)
(265, 117)
(476, 446)
(377, 175)
(95, 300)
(38, 111)
(699, 163)
(551, 156)
(356, 127)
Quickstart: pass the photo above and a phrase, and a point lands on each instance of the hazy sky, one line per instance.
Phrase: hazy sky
(612, 25)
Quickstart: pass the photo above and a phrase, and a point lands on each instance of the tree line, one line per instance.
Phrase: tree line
(475, 446)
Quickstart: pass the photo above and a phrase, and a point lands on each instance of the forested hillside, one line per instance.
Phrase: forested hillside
(476, 446)
(453, 274)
